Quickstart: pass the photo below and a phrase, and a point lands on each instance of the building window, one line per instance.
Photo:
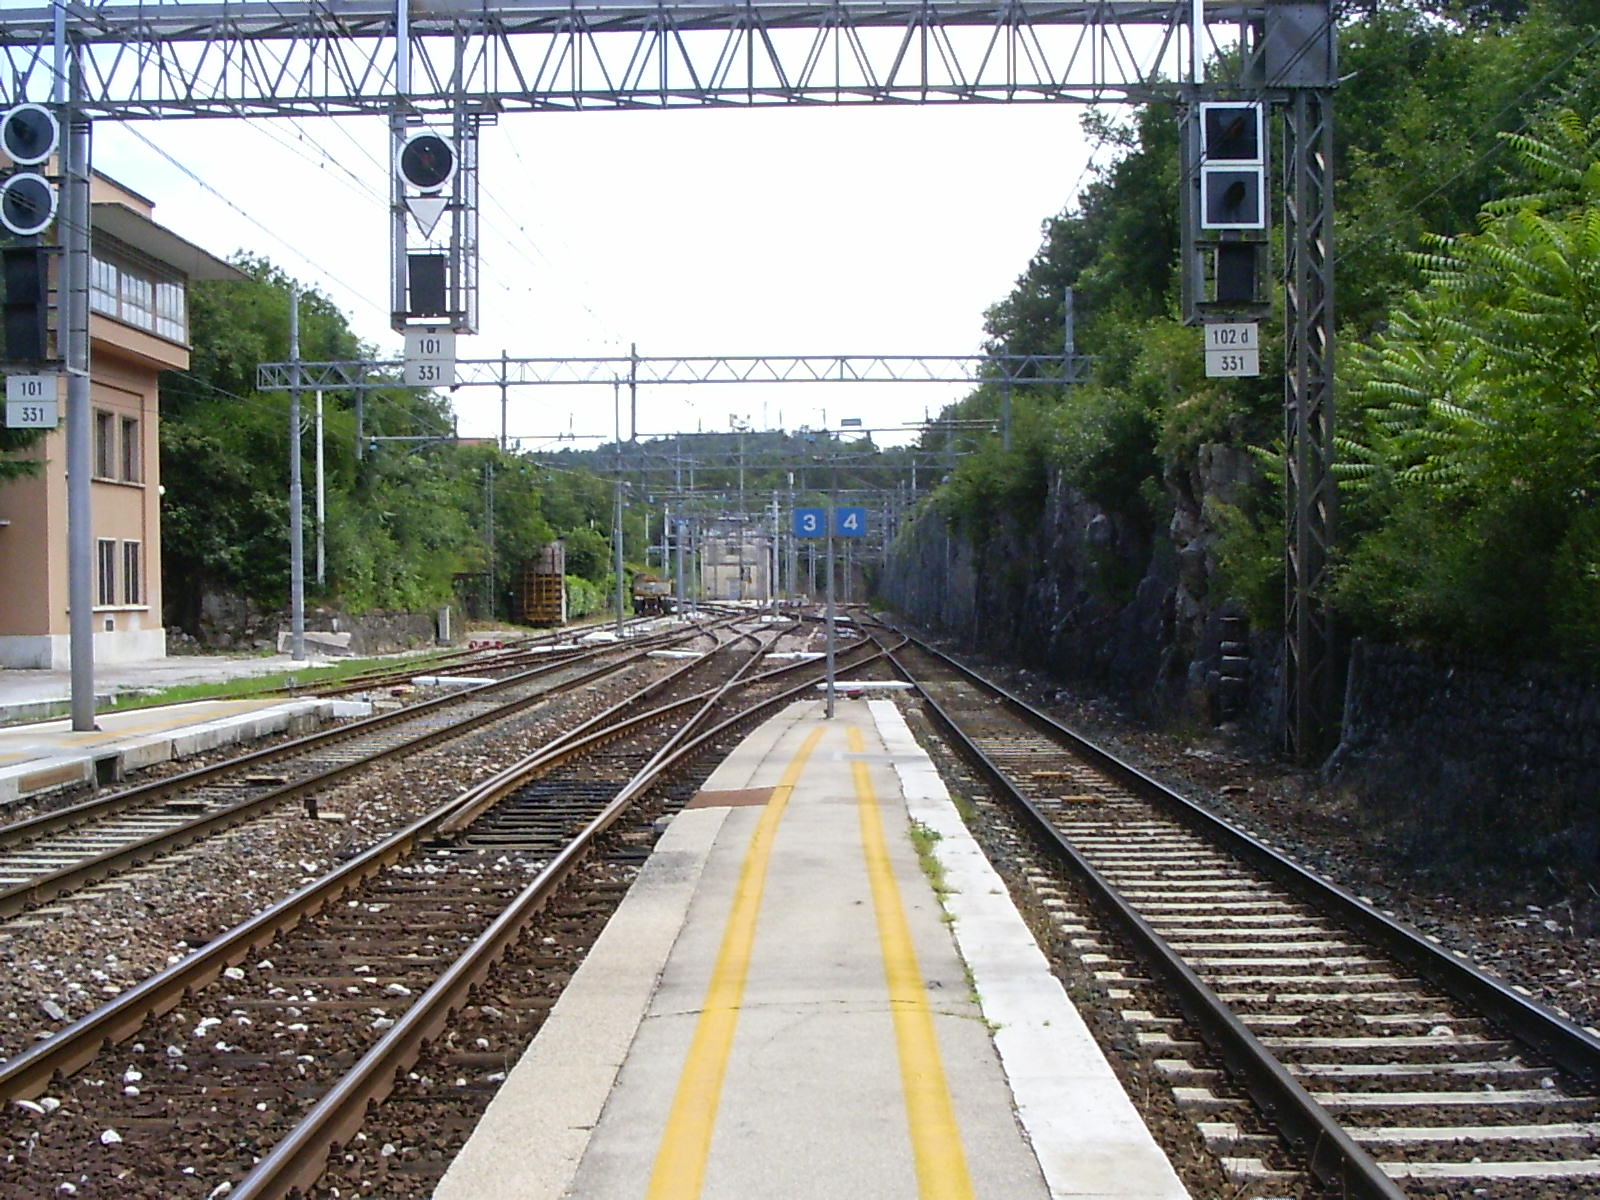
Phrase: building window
(171, 321)
(139, 295)
(131, 578)
(132, 451)
(105, 444)
(138, 300)
(103, 286)
(107, 575)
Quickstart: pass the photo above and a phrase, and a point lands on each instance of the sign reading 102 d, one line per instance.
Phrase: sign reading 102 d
(1233, 349)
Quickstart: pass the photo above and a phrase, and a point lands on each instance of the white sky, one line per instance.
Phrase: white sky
(774, 231)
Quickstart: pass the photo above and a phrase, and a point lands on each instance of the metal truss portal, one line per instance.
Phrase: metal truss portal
(637, 369)
(145, 58)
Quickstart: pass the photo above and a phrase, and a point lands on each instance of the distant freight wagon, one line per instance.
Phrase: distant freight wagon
(652, 595)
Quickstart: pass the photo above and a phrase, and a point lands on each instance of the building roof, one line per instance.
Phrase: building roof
(139, 231)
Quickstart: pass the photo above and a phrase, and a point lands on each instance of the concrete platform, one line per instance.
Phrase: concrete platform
(783, 1007)
(27, 695)
(49, 755)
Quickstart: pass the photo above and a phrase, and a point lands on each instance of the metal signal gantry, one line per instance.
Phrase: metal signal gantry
(310, 57)
(469, 61)
(371, 374)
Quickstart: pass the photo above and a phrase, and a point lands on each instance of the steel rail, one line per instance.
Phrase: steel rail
(21, 831)
(62, 818)
(1329, 1150)
(297, 1160)
(29, 1073)
(1333, 1155)
(22, 896)
(595, 733)
(1574, 1049)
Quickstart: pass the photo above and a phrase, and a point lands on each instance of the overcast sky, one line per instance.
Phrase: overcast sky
(774, 231)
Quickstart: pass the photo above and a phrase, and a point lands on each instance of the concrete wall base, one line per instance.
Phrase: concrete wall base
(53, 651)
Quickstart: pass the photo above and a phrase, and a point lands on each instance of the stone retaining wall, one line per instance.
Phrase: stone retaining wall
(229, 623)
(1468, 757)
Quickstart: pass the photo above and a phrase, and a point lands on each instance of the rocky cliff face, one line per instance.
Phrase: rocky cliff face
(1093, 595)
(1491, 764)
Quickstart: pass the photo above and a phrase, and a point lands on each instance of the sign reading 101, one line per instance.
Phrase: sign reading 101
(31, 402)
(430, 356)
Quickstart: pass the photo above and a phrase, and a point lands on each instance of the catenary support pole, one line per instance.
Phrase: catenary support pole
(504, 402)
(74, 223)
(616, 519)
(793, 592)
(488, 534)
(297, 552)
(682, 533)
(832, 623)
(1005, 405)
(1311, 674)
(322, 504)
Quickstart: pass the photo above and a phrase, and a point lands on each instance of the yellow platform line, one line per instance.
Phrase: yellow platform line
(936, 1147)
(680, 1165)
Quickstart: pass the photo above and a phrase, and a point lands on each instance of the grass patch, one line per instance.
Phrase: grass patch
(238, 688)
(244, 687)
(923, 839)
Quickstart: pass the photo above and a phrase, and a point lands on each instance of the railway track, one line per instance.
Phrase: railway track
(1392, 1067)
(58, 852)
(237, 1070)
(516, 653)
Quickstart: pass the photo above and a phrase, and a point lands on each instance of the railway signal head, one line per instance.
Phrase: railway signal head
(25, 283)
(1233, 165)
(427, 162)
(1232, 198)
(27, 203)
(1231, 133)
(29, 134)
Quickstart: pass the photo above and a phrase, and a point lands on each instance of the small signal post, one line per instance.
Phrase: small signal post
(830, 523)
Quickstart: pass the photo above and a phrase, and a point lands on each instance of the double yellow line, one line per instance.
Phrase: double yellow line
(941, 1165)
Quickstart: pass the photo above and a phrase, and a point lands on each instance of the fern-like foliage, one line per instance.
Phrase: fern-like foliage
(1479, 406)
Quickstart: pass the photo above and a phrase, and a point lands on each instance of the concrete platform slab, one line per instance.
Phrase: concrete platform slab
(49, 755)
(778, 1009)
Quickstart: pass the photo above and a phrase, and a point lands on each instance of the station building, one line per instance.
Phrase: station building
(138, 328)
(735, 562)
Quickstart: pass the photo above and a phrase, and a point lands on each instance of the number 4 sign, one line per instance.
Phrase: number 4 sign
(850, 522)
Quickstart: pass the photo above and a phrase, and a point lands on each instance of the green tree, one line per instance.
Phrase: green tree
(1474, 464)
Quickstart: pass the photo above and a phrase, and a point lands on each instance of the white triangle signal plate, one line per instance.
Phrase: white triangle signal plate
(426, 211)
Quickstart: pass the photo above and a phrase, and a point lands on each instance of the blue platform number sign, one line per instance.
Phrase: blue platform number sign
(850, 522)
(810, 522)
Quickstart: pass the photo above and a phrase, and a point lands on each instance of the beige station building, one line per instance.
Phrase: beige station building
(138, 300)
(736, 562)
